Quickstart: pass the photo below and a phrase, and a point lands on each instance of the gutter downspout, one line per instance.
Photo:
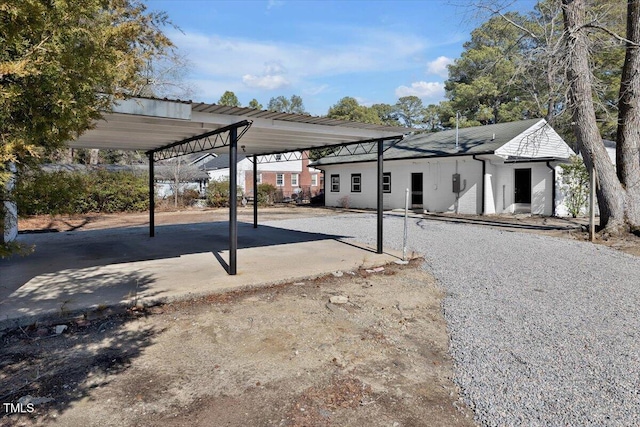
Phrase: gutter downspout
(484, 171)
(553, 188)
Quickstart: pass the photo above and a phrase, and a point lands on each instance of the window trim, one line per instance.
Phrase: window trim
(314, 179)
(281, 176)
(386, 187)
(335, 185)
(297, 180)
(356, 187)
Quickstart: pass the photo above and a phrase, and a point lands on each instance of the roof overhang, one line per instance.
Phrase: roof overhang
(150, 124)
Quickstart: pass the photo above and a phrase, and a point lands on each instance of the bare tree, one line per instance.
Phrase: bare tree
(570, 67)
(617, 197)
(178, 173)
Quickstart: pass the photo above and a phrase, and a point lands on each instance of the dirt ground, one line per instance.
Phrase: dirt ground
(284, 355)
(42, 223)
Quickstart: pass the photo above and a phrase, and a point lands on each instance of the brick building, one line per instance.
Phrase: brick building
(292, 178)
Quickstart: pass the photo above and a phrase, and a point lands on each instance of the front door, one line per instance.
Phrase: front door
(522, 185)
(416, 190)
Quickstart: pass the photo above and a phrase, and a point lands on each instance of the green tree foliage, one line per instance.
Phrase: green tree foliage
(386, 113)
(575, 184)
(349, 109)
(62, 63)
(39, 193)
(481, 85)
(255, 104)
(283, 104)
(514, 67)
(229, 99)
(410, 111)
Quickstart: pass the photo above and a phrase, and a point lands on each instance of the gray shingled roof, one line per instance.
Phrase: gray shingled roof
(221, 162)
(474, 140)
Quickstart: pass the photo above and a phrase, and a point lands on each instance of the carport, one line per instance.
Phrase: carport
(168, 128)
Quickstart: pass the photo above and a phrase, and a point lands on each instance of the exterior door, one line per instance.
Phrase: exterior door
(522, 186)
(416, 190)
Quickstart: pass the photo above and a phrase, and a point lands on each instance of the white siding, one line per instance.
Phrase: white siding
(541, 188)
(437, 184)
(536, 142)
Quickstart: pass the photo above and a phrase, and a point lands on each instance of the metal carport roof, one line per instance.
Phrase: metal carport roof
(149, 124)
(166, 128)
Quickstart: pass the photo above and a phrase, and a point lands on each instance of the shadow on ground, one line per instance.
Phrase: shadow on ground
(57, 371)
(56, 252)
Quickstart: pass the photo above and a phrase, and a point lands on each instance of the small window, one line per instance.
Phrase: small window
(314, 180)
(278, 157)
(356, 182)
(386, 182)
(280, 180)
(259, 178)
(294, 179)
(335, 183)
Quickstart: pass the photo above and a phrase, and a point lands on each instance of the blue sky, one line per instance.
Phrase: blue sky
(374, 51)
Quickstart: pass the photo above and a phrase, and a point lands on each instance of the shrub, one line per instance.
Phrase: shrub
(189, 196)
(218, 193)
(266, 194)
(575, 184)
(39, 192)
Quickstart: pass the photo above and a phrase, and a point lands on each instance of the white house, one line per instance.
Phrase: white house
(493, 169)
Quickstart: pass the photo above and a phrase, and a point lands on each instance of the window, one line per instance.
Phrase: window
(386, 182)
(356, 182)
(314, 180)
(294, 179)
(280, 180)
(278, 157)
(259, 178)
(335, 183)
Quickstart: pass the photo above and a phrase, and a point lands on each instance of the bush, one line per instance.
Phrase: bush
(38, 192)
(53, 193)
(575, 184)
(189, 196)
(218, 193)
(266, 194)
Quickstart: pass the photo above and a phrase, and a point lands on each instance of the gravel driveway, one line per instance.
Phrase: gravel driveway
(544, 331)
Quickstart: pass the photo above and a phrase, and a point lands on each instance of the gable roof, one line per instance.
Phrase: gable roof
(221, 161)
(521, 139)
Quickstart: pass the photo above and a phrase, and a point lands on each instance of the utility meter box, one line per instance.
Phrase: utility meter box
(456, 182)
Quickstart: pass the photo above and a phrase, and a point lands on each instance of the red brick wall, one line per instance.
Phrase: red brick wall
(304, 180)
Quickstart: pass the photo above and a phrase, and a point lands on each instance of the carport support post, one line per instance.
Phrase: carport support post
(152, 198)
(233, 199)
(380, 195)
(255, 191)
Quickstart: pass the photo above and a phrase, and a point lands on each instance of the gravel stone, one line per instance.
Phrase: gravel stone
(544, 331)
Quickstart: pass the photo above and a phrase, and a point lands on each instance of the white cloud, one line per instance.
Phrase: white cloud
(271, 78)
(274, 3)
(439, 66)
(217, 56)
(315, 90)
(427, 90)
(265, 82)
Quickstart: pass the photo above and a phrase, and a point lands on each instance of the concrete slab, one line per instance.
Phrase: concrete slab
(89, 270)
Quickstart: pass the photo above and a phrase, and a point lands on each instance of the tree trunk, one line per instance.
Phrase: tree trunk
(628, 137)
(611, 194)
